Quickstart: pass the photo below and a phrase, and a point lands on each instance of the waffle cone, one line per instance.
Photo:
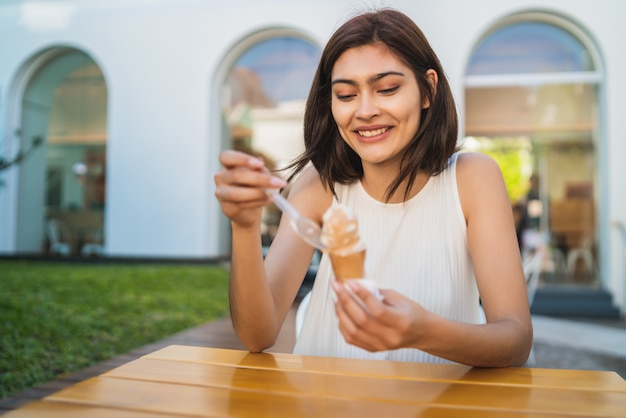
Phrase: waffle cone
(348, 266)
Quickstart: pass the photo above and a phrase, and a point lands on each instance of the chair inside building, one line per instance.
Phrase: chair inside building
(572, 223)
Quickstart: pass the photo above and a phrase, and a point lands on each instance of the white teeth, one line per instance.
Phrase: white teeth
(369, 134)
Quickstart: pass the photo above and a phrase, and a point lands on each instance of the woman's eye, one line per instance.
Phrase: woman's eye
(344, 97)
(390, 90)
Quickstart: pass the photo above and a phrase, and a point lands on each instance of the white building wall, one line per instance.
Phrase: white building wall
(163, 59)
(159, 60)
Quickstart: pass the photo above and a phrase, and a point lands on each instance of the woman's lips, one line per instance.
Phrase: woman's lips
(373, 135)
(372, 132)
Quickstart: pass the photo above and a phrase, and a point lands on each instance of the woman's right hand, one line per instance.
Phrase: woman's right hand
(241, 187)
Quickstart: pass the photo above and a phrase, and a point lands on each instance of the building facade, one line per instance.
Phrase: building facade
(134, 100)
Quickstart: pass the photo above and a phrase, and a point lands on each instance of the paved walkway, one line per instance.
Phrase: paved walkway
(580, 344)
(559, 344)
(600, 339)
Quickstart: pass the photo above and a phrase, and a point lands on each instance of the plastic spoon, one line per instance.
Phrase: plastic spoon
(306, 228)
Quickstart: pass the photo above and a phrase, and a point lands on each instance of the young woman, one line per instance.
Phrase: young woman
(380, 137)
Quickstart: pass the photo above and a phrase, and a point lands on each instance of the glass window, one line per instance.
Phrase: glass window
(529, 47)
(263, 101)
(543, 133)
(284, 67)
(264, 94)
(66, 102)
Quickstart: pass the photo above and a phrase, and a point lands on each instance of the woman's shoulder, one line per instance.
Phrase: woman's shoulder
(479, 180)
(474, 165)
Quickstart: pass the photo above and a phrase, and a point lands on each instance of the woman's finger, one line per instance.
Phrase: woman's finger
(231, 158)
(245, 177)
(355, 322)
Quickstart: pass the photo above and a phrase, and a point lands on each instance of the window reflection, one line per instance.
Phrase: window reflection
(76, 161)
(263, 103)
(543, 135)
(529, 47)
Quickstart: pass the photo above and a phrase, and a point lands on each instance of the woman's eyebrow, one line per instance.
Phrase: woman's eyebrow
(383, 75)
(371, 80)
(343, 81)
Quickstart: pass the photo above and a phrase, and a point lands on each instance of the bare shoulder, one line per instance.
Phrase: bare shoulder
(476, 162)
(477, 170)
(309, 195)
(479, 179)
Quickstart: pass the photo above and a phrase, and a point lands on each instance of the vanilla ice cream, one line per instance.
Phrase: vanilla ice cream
(340, 233)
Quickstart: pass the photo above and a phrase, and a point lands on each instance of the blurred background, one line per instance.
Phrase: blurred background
(113, 113)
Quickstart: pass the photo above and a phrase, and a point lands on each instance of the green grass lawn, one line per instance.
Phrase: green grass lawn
(57, 318)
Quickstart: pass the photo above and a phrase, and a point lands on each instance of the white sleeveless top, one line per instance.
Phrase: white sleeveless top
(418, 248)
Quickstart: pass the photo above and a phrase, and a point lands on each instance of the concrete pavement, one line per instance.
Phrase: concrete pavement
(580, 344)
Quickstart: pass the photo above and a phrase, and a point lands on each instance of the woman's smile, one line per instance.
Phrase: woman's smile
(369, 135)
(376, 103)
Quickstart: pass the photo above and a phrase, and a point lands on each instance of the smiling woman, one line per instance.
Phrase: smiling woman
(380, 134)
(376, 110)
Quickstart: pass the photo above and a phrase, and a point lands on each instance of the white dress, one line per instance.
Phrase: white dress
(418, 248)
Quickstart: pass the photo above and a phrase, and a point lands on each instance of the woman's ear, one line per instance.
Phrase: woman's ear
(433, 80)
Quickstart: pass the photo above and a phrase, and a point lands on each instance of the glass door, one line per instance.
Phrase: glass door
(531, 103)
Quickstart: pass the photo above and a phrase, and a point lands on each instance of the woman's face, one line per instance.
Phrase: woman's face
(376, 103)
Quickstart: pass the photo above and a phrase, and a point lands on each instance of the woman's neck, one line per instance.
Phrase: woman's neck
(376, 182)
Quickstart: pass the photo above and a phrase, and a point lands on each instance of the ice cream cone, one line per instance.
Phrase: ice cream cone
(348, 266)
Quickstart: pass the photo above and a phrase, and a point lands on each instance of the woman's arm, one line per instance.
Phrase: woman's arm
(506, 339)
(261, 291)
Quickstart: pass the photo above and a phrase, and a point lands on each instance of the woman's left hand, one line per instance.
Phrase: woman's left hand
(394, 322)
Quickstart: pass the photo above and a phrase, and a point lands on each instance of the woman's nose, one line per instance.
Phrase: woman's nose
(368, 107)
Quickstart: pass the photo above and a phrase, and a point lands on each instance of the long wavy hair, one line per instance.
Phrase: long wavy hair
(435, 140)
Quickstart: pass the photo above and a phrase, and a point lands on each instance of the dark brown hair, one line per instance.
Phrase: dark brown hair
(434, 142)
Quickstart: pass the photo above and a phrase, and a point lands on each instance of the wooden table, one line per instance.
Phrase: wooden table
(182, 381)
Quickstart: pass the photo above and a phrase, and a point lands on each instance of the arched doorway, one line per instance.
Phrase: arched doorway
(267, 79)
(531, 100)
(61, 186)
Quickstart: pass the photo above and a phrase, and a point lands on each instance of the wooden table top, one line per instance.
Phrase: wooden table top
(183, 381)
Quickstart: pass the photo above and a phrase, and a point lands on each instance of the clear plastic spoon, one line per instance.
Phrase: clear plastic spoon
(306, 228)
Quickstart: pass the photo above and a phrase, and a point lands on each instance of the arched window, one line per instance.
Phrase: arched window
(281, 68)
(529, 48)
(61, 195)
(531, 101)
(263, 99)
